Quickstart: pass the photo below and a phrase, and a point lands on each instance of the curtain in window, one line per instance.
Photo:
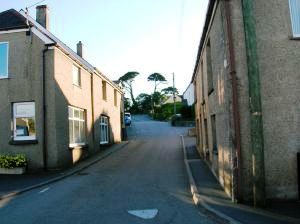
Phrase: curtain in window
(295, 17)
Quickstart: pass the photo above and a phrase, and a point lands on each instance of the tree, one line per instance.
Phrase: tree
(144, 102)
(157, 79)
(126, 82)
(126, 104)
(169, 90)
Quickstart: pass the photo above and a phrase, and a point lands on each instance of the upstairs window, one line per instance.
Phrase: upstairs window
(210, 78)
(115, 98)
(76, 76)
(104, 96)
(3, 60)
(24, 121)
(295, 17)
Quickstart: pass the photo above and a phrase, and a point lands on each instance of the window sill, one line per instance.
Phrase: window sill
(210, 91)
(294, 38)
(78, 86)
(80, 145)
(4, 77)
(23, 142)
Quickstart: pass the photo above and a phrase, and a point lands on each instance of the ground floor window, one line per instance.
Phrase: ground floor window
(24, 121)
(77, 126)
(104, 130)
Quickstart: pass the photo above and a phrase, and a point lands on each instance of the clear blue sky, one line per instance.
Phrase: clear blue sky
(130, 35)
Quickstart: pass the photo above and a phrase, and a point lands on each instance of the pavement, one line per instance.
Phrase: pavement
(12, 185)
(208, 193)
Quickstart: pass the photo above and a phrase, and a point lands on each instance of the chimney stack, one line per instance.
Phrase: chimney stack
(42, 15)
(80, 49)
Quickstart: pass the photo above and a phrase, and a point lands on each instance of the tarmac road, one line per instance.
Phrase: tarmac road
(148, 173)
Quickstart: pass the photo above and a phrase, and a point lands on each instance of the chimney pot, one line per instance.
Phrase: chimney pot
(42, 15)
(80, 49)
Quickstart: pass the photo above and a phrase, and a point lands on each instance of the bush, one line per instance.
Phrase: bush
(188, 112)
(166, 111)
(7, 161)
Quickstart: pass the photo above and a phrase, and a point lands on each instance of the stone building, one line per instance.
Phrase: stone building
(246, 82)
(56, 108)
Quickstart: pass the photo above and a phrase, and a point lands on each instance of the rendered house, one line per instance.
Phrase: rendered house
(55, 107)
(247, 86)
(189, 95)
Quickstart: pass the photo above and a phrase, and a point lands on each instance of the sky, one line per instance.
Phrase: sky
(146, 36)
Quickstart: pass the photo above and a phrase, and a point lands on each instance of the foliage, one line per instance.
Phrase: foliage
(157, 78)
(166, 111)
(8, 161)
(169, 90)
(187, 112)
(126, 81)
(144, 102)
(126, 104)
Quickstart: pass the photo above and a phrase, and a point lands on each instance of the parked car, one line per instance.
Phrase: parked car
(127, 119)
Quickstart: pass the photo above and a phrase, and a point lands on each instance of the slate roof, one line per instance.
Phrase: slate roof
(11, 19)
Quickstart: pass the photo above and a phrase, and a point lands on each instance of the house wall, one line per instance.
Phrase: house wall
(189, 94)
(24, 84)
(216, 102)
(81, 97)
(279, 66)
(107, 108)
(66, 94)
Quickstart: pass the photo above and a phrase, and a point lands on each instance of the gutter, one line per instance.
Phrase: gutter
(237, 164)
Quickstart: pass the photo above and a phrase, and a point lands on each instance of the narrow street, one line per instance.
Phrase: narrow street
(146, 174)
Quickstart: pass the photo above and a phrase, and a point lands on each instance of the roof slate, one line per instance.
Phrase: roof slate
(11, 19)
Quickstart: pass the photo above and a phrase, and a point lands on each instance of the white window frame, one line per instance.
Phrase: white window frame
(297, 35)
(15, 115)
(104, 136)
(78, 73)
(81, 122)
(5, 76)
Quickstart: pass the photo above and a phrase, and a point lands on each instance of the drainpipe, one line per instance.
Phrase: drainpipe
(45, 152)
(237, 193)
(92, 102)
(257, 139)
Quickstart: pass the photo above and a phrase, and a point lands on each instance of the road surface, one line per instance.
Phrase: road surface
(147, 174)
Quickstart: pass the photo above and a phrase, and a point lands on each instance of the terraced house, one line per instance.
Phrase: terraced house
(247, 86)
(56, 108)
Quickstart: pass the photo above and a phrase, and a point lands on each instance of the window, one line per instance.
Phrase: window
(214, 133)
(3, 60)
(104, 130)
(295, 17)
(115, 98)
(76, 126)
(210, 79)
(24, 121)
(202, 83)
(76, 75)
(104, 97)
